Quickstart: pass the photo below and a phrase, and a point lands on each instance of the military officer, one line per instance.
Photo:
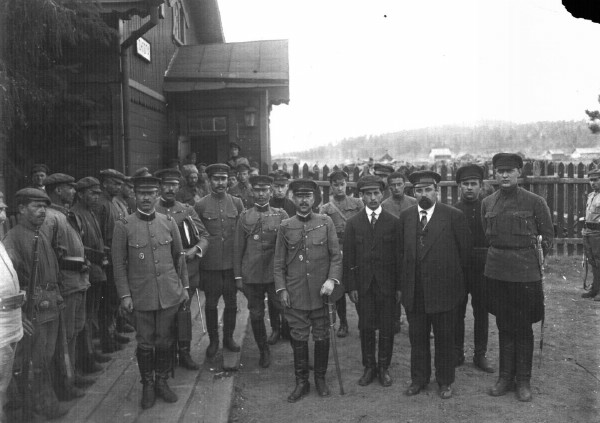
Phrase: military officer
(341, 208)
(243, 189)
(219, 213)
(253, 252)
(152, 282)
(470, 181)
(512, 219)
(591, 234)
(307, 265)
(183, 214)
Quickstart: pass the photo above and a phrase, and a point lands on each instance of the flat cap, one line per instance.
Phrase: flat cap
(59, 179)
(507, 161)
(423, 178)
(470, 171)
(594, 173)
(2, 202)
(40, 167)
(111, 173)
(27, 195)
(370, 182)
(235, 144)
(337, 174)
(89, 182)
(128, 181)
(217, 169)
(382, 168)
(303, 186)
(279, 176)
(168, 175)
(242, 167)
(232, 172)
(261, 181)
(143, 179)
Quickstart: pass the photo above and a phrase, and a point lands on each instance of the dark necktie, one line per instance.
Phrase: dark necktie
(373, 220)
(423, 219)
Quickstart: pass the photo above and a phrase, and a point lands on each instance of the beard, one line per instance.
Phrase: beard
(425, 203)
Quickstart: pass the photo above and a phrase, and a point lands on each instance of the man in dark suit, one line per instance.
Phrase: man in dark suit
(436, 244)
(371, 269)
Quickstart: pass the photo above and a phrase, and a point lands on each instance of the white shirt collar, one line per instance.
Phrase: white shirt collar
(429, 211)
(370, 212)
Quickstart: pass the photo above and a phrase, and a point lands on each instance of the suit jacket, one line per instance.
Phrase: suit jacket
(372, 254)
(444, 258)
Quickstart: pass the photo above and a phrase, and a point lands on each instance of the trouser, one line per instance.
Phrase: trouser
(219, 283)
(341, 309)
(376, 311)
(480, 318)
(591, 245)
(7, 357)
(155, 328)
(303, 321)
(85, 349)
(74, 317)
(109, 306)
(255, 293)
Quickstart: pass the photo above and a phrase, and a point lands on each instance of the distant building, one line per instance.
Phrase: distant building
(586, 153)
(437, 154)
(386, 159)
(555, 155)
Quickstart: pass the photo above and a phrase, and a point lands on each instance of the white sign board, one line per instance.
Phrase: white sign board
(143, 48)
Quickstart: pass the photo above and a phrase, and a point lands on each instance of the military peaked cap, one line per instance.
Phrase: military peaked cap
(337, 174)
(470, 171)
(370, 182)
(507, 161)
(40, 167)
(423, 178)
(111, 173)
(168, 175)
(261, 181)
(235, 145)
(594, 173)
(303, 186)
(280, 176)
(27, 195)
(217, 169)
(88, 182)
(59, 179)
(143, 179)
(381, 168)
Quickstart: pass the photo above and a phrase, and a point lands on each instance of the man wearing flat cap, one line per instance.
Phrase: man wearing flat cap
(235, 158)
(372, 271)
(152, 282)
(243, 189)
(340, 208)
(64, 230)
(88, 194)
(308, 264)
(32, 204)
(383, 171)
(470, 182)
(513, 219)
(436, 246)
(253, 252)
(194, 238)
(38, 173)
(591, 234)
(219, 213)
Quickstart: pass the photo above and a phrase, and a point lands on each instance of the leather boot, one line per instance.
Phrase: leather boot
(44, 397)
(163, 363)
(185, 359)
(229, 317)
(82, 381)
(260, 336)
(212, 327)
(524, 357)
(300, 350)
(367, 346)
(481, 362)
(121, 339)
(101, 358)
(506, 376)
(321, 362)
(109, 344)
(386, 345)
(145, 360)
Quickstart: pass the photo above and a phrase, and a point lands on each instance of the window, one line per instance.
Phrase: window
(179, 22)
(208, 125)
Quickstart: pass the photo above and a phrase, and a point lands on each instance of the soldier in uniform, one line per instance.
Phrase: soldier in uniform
(512, 219)
(253, 252)
(152, 282)
(383, 171)
(591, 234)
(470, 181)
(340, 208)
(125, 199)
(234, 156)
(371, 269)
(307, 265)
(38, 174)
(243, 189)
(64, 230)
(219, 213)
(183, 214)
(19, 242)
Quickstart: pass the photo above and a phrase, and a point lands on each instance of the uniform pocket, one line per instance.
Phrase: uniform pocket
(522, 223)
(491, 220)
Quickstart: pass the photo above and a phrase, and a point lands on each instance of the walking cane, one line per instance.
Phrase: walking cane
(331, 311)
(540, 255)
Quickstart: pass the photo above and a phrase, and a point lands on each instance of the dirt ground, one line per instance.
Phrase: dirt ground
(565, 389)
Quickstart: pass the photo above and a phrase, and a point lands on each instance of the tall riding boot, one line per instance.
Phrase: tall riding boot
(386, 345)
(185, 359)
(260, 336)
(341, 312)
(367, 347)
(274, 317)
(300, 350)
(506, 377)
(212, 327)
(145, 359)
(44, 397)
(524, 357)
(163, 362)
(321, 362)
(229, 316)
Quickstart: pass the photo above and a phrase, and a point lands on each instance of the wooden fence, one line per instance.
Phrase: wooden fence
(564, 186)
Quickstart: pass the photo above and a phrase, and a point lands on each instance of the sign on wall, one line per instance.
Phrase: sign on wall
(143, 49)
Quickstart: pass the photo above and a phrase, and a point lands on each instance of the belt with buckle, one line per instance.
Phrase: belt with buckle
(12, 302)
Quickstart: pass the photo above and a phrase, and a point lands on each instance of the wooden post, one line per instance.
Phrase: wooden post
(560, 209)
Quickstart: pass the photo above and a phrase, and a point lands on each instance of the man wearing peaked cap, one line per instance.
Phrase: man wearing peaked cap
(243, 189)
(371, 269)
(307, 265)
(340, 208)
(219, 213)
(591, 234)
(435, 254)
(512, 219)
(195, 242)
(253, 251)
(470, 182)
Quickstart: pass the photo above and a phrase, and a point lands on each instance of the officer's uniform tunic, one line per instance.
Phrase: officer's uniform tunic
(395, 207)
(244, 192)
(307, 253)
(591, 238)
(149, 266)
(340, 212)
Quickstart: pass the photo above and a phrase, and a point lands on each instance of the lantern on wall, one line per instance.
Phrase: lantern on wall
(250, 117)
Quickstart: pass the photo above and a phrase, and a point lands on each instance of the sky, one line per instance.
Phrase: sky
(378, 66)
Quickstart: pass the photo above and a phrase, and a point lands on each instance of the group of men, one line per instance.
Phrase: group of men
(151, 254)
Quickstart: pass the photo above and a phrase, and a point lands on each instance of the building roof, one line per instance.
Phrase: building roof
(440, 152)
(592, 150)
(253, 64)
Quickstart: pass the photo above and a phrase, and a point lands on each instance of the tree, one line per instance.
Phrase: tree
(594, 119)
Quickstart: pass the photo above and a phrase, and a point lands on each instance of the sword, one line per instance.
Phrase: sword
(331, 311)
(540, 253)
(200, 312)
